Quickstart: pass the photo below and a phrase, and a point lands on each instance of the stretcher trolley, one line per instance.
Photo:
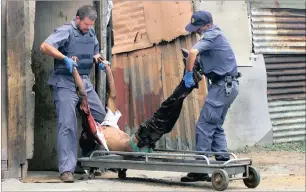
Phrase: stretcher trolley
(176, 161)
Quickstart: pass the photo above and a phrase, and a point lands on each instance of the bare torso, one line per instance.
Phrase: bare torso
(116, 139)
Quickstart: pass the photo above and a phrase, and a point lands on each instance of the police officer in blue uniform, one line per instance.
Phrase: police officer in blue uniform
(76, 38)
(218, 64)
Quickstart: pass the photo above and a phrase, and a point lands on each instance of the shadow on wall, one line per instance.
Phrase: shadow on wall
(248, 121)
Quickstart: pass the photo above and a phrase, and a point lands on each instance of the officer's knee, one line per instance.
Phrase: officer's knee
(65, 106)
(66, 112)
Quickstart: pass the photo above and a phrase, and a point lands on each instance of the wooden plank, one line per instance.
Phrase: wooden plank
(24, 170)
(29, 13)
(4, 81)
(100, 75)
(3, 165)
(16, 70)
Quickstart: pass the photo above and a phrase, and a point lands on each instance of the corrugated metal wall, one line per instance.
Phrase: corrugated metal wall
(286, 95)
(278, 31)
(147, 64)
(279, 34)
(295, 4)
(141, 24)
(145, 78)
(286, 77)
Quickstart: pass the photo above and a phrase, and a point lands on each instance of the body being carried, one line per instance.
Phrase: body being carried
(107, 135)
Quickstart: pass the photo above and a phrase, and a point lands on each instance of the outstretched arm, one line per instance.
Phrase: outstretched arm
(81, 91)
(111, 102)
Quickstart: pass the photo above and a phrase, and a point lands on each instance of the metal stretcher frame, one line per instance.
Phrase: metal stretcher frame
(171, 160)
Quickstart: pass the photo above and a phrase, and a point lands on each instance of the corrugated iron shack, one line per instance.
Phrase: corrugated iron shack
(148, 65)
(278, 29)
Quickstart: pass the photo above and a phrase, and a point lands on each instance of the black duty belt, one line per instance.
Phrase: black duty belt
(215, 78)
(228, 86)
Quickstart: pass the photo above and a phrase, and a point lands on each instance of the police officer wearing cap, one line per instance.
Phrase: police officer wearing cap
(218, 64)
(76, 38)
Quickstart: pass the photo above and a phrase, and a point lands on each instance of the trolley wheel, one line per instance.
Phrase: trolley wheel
(254, 178)
(91, 174)
(122, 173)
(220, 180)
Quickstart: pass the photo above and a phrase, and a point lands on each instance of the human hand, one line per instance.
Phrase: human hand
(102, 66)
(98, 58)
(188, 79)
(75, 58)
(70, 64)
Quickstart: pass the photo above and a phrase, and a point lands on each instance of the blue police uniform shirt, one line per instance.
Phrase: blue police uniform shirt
(58, 39)
(215, 53)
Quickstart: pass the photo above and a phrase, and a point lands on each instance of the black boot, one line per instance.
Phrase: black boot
(193, 177)
(222, 158)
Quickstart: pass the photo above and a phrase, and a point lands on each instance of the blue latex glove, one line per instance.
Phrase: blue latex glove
(102, 65)
(69, 64)
(188, 79)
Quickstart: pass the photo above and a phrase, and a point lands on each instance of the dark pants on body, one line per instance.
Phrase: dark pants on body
(164, 119)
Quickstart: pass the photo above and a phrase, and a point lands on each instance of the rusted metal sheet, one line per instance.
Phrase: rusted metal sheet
(295, 4)
(141, 24)
(145, 78)
(286, 76)
(286, 95)
(288, 120)
(20, 106)
(278, 31)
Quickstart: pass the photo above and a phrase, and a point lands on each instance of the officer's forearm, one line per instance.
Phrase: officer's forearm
(191, 59)
(51, 51)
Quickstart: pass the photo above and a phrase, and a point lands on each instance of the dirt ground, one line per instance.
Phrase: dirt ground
(280, 171)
